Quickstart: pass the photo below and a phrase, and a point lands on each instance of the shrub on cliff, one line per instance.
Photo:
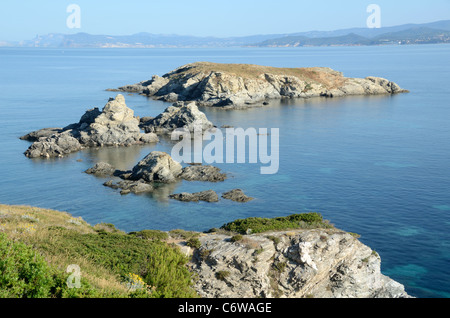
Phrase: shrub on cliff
(260, 225)
(23, 272)
(162, 266)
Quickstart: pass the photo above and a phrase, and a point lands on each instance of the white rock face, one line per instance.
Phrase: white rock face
(114, 126)
(322, 263)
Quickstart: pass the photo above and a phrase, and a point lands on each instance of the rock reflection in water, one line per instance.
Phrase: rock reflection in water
(122, 158)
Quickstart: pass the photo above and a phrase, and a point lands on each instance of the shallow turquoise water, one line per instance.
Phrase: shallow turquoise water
(377, 166)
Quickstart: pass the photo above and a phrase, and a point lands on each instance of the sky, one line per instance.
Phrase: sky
(23, 20)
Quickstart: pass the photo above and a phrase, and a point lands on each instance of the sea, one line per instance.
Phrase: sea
(377, 166)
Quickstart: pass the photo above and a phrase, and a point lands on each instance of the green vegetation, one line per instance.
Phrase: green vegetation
(261, 225)
(38, 245)
(222, 275)
(193, 242)
(24, 274)
(236, 238)
(183, 234)
(274, 239)
(279, 266)
(151, 235)
(161, 266)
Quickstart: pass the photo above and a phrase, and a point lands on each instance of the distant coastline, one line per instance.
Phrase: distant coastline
(428, 33)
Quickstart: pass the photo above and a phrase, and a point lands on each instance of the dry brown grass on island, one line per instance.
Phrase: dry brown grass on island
(324, 75)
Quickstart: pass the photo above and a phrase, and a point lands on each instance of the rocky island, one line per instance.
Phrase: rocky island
(115, 125)
(242, 85)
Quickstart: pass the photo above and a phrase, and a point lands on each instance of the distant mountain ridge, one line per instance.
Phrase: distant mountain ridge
(413, 35)
(435, 32)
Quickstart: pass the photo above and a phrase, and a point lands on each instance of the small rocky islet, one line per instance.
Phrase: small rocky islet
(159, 168)
(319, 262)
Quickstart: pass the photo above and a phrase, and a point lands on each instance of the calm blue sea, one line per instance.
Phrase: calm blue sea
(377, 166)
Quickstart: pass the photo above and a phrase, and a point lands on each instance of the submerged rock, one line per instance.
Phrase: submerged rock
(115, 125)
(203, 173)
(128, 186)
(208, 196)
(236, 195)
(241, 85)
(101, 169)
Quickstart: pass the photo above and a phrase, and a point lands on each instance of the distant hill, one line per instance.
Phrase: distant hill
(412, 35)
(349, 39)
(139, 40)
(435, 32)
(371, 33)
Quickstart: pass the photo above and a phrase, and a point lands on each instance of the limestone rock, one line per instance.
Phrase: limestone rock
(115, 125)
(157, 167)
(319, 263)
(54, 146)
(187, 116)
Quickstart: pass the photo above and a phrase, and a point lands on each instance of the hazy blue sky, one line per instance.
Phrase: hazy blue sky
(26, 18)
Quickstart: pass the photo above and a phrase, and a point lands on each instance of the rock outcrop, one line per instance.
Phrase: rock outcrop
(57, 145)
(159, 168)
(41, 133)
(115, 125)
(101, 169)
(319, 263)
(240, 85)
(188, 117)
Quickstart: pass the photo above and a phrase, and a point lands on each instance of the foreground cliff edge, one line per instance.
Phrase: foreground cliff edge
(243, 85)
(297, 256)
